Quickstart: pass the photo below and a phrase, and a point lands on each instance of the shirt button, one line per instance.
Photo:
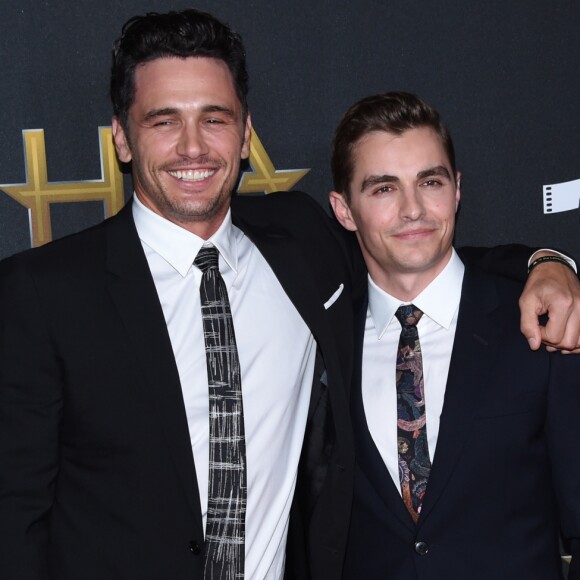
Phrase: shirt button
(194, 548)
(421, 548)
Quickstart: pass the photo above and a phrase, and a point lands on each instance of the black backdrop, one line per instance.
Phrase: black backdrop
(505, 76)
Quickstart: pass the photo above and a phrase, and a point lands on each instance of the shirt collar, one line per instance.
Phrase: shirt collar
(439, 301)
(177, 246)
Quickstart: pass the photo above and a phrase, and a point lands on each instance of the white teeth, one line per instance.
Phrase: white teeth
(192, 174)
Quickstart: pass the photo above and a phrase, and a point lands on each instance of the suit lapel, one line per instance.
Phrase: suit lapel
(285, 256)
(474, 350)
(133, 292)
(309, 281)
(369, 458)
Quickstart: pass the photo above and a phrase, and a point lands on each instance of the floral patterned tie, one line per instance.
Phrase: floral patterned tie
(414, 462)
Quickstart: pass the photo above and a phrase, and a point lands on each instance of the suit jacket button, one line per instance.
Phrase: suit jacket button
(421, 548)
(194, 548)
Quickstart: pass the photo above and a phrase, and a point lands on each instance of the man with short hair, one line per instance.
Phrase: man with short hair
(125, 450)
(465, 439)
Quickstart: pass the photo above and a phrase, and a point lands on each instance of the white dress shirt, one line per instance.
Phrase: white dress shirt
(440, 305)
(276, 352)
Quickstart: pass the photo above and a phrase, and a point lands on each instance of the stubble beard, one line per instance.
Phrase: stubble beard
(195, 211)
(188, 211)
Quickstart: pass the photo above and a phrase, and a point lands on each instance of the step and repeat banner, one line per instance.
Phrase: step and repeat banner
(504, 75)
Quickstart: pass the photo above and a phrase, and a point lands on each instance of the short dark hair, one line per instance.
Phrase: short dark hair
(393, 112)
(175, 34)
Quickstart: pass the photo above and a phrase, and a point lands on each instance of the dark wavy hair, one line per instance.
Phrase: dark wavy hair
(175, 34)
(394, 112)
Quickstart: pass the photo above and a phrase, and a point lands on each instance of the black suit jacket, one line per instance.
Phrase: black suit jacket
(506, 471)
(97, 478)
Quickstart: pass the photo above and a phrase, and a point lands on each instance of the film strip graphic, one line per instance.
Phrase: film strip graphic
(560, 197)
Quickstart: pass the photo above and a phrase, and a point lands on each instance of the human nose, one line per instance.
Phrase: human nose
(412, 207)
(191, 142)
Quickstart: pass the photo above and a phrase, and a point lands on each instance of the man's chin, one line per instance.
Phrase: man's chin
(423, 264)
(198, 211)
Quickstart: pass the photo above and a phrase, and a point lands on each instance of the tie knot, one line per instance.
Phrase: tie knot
(207, 257)
(408, 315)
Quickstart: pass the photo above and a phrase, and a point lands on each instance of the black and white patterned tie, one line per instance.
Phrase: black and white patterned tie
(414, 461)
(227, 489)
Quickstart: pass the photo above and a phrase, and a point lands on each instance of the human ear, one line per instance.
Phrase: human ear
(121, 141)
(342, 211)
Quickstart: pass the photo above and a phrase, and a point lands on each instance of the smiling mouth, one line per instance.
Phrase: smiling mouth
(192, 174)
(414, 233)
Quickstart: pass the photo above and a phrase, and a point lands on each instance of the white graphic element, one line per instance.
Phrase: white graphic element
(562, 196)
(334, 297)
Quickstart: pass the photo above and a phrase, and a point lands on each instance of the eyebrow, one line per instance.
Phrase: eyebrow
(218, 109)
(377, 179)
(160, 113)
(438, 170)
(167, 111)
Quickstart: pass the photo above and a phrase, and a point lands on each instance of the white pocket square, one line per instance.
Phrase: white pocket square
(334, 297)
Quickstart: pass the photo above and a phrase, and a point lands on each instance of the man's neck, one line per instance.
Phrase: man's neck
(406, 286)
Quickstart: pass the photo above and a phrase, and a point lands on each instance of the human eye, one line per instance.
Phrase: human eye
(432, 182)
(216, 120)
(383, 189)
(160, 122)
(160, 118)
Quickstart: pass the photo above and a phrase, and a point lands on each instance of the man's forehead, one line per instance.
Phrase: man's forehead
(187, 66)
(414, 149)
(185, 80)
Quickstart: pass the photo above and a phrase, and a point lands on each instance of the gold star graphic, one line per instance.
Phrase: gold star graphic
(264, 177)
(37, 193)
